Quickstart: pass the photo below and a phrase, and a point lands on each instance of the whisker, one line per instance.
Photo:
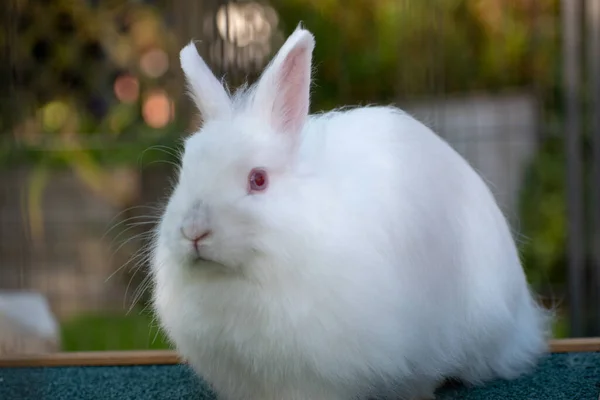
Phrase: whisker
(157, 327)
(131, 226)
(165, 149)
(164, 161)
(156, 208)
(155, 336)
(134, 224)
(129, 284)
(139, 292)
(140, 236)
(136, 217)
(116, 238)
(176, 151)
(139, 253)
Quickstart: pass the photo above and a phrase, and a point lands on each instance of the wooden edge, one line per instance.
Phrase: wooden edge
(575, 345)
(169, 357)
(93, 358)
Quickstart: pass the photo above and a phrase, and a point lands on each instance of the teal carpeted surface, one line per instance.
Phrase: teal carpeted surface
(570, 376)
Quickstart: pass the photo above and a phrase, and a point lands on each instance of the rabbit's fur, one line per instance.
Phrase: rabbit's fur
(375, 264)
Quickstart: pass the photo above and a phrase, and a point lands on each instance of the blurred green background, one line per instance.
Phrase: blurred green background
(94, 111)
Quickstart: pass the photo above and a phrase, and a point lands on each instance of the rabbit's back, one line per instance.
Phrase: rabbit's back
(425, 211)
(391, 174)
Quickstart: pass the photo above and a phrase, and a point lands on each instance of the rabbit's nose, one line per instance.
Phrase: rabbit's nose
(194, 234)
(195, 225)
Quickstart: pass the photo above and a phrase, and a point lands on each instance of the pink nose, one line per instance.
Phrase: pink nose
(201, 237)
(195, 236)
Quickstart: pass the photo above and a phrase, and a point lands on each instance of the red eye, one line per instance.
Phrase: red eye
(258, 180)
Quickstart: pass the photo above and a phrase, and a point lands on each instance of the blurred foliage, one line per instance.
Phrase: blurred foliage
(544, 212)
(389, 50)
(91, 87)
(65, 59)
(543, 215)
(560, 328)
(69, 54)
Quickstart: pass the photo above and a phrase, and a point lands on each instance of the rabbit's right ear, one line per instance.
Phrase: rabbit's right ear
(207, 92)
(283, 91)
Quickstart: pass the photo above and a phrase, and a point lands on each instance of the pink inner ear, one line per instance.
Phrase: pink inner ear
(291, 105)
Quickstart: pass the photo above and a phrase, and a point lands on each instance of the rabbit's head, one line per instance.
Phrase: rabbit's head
(238, 181)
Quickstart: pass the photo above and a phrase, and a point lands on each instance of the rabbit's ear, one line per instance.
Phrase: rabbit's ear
(207, 92)
(283, 91)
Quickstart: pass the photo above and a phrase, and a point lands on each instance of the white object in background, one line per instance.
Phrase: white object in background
(27, 324)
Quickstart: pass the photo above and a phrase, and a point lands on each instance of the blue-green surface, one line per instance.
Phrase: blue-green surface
(571, 376)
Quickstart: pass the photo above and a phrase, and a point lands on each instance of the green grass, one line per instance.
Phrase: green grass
(97, 332)
(560, 330)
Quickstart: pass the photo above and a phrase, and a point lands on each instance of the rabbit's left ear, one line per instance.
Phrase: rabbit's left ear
(283, 91)
(207, 92)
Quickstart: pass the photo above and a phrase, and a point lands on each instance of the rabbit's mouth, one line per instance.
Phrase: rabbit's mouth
(201, 256)
(196, 258)
(200, 259)
(203, 263)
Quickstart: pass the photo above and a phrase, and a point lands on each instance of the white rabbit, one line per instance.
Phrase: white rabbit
(347, 255)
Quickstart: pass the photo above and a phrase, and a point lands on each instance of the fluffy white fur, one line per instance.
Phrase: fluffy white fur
(377, 262)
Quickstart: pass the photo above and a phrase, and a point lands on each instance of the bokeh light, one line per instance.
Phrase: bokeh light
(127, 88)
(157, 109)
(247, 23)
(154, 63)
(54, 115)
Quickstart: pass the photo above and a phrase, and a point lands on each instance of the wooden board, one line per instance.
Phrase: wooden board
(575, 345)
(93, 358)
(158, 357)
